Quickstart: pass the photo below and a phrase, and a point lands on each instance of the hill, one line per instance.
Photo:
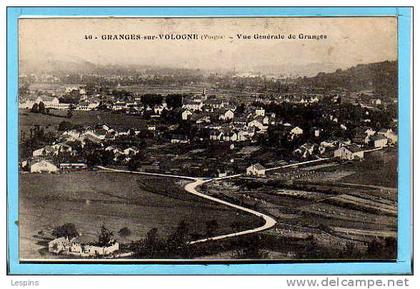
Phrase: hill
(381, 78)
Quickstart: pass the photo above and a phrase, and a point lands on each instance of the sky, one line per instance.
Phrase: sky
(350, 41)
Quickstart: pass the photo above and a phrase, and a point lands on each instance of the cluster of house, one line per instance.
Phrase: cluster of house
(51, 101)
(379, 139)
(225, 123)
(223, 120)
(347, 149)
(66, 246)
(340, 149)
(42, 158)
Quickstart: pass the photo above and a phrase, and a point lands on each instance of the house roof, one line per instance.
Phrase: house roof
(378, 137)
(359, 137)
(226, 110)
(193, 101)
(258, 166)
(214, 101)
(353, 148)
(186, 110)
(259, 119)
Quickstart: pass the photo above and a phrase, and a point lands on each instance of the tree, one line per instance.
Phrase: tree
(72, 97)
(105, 237)
(135, 161)
(152, 99)
(178, 240)
(107, 158)
(35, 108)
(124, 232)
(152, 243)
(41, 107)
(174, 100)
(67, 230)
(69, 113)
(65, 125)
(93, 159)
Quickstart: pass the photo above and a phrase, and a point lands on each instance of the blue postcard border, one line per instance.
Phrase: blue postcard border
(405, 221)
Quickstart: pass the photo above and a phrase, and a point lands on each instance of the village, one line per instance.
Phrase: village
(199, 124)
(204, 133)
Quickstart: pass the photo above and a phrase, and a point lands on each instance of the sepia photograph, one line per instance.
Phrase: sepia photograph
(207, 139)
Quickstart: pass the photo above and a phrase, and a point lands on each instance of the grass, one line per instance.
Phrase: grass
(315, 211)
(28, 119)
(379, 169)
(89, 199)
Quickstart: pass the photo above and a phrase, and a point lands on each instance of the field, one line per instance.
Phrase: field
(115, 120)
(323, 216)
(91, 199)
(379, 168)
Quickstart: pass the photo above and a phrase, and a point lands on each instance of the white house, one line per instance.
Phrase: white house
(159, 109)
(389, 134)
(229, 135)
(305, 150)
(243, 135)
(64, 246)
(349, 152)
(314, 99)
(379, 141)
(258, 123)
(377, 101)
(259, 111)
(195, 104)
(93, 136)
(255, 170)
(130, 151)
(84, 106)
(215, 103)
(203, 119)
(216, 135)
(369, 131)
(43, 166)
(227, 115)
(48, 101)
(186, 114)
(45, 151)
(72, 135)
(55, 103)
(295, 132)
(61, 148)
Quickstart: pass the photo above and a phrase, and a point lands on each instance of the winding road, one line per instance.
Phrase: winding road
(268, 221)
(191, 188)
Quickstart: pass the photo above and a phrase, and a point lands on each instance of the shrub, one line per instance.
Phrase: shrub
(124, 232)
(67, 230)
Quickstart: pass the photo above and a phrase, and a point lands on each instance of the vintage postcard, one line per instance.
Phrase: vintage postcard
(208, 139)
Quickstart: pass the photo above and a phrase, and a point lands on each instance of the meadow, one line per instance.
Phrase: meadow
(28, 119)
(91, 199)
